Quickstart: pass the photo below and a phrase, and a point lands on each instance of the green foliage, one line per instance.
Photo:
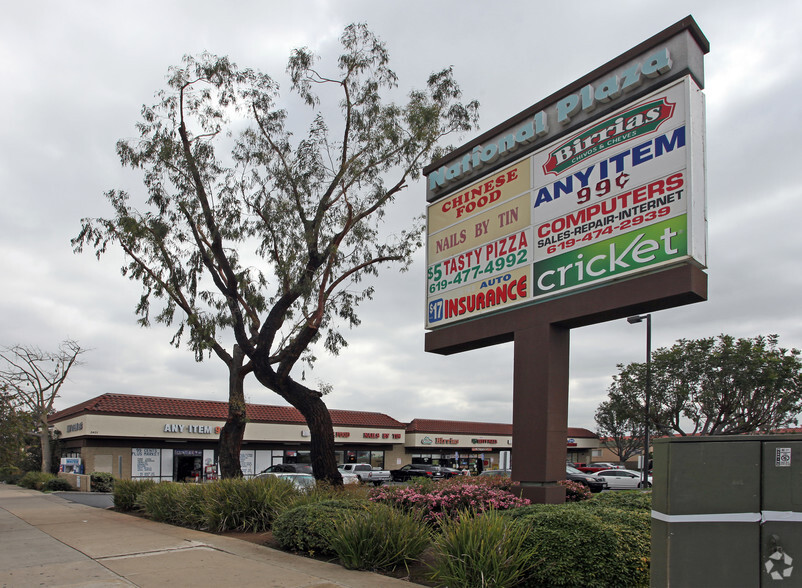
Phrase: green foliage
(164, 502)
(127, 493)
(102, 482)
(10, 474)
(35, 480)
(308, 527)
(632, 500)
(586, 544)
(224, 505)
(15, 424)
(226, 179)
(30, 380)
(246, 505)
(381, 538)
(57, 485)
(482, 550)
(714, 386)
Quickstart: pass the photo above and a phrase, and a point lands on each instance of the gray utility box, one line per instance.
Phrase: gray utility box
(727, 511)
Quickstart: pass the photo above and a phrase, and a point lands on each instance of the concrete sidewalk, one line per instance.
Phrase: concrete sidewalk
(48, 541)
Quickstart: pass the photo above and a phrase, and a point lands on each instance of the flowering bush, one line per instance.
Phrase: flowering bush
(447, 499)
(575, 491)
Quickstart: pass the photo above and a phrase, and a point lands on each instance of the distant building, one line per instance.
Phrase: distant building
(135, 436)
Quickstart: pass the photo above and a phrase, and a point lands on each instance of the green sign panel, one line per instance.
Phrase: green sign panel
(652, 245)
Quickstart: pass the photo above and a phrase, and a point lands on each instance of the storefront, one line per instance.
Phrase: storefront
(176, 439)
(458, 444)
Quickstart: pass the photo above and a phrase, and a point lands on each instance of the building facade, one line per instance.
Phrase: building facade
(133, 436)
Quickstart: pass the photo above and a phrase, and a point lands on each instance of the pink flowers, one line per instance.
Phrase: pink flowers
(575, 491)
(447, 499)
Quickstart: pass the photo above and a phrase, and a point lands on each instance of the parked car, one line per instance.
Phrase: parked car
(349, 477)
(594, 483)
(496, 473)
(302, 482)
(293, 468)
(417, 470)
(365, 473)
(597, 467)
(620, 479)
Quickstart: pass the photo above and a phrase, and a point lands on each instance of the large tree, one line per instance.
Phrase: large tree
(716, 386)
(252, 231)
(32, 378)
(619, 420)
(15, 425)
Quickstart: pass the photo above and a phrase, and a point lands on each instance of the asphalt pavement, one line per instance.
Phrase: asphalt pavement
(46, 540)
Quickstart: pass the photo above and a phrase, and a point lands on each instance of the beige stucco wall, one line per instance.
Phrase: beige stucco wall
(428, 441)
(207, 430)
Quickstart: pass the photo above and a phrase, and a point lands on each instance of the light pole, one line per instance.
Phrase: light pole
(633, 320)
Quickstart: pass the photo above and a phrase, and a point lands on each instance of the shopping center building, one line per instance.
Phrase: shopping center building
(134, 436)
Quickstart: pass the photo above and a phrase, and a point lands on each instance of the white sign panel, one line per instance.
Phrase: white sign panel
(620, 196)
(145, 462)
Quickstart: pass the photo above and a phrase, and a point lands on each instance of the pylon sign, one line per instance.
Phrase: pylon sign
(600, 182)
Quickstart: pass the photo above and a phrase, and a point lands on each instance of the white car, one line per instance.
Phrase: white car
(620, 479)
(302, 482)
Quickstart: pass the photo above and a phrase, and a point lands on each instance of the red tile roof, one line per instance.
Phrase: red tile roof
(474, 428)
(155, 406)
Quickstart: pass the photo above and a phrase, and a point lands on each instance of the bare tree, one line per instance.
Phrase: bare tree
(32, 378)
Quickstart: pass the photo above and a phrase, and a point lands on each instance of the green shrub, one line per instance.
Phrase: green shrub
(127, 493)
(483, 550)
(102, 482)
(10, 474)
(34, 480)
(163, 502)
(637, 500)
(57, 485)
(575, 545)
(246, 505)
(634, 531)
(192, 508)
(176, 503)
(381, 538)
(307, 527)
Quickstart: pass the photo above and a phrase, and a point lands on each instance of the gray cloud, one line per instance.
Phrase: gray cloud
(75, 76)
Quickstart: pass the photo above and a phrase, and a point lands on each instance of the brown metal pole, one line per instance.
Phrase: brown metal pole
(540, 411)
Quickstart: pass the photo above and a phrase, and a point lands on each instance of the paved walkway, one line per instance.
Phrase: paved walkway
(48, 541)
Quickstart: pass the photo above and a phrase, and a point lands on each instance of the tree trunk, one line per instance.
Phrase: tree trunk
(234, 430)
(321, 430)
(44, 441)
(311, 406)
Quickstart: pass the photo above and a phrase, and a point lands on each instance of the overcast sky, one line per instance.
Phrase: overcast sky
(75, 75)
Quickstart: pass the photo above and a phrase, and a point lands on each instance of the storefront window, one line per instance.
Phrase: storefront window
(374, 458)
(293, 456)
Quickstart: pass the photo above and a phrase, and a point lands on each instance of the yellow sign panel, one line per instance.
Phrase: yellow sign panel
(512, 215)
(491, 192)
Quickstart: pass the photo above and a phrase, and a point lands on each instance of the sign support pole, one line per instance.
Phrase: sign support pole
(540, 410)
(541, 338)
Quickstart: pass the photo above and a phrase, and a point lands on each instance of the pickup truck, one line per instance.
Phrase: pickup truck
(365, 473)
